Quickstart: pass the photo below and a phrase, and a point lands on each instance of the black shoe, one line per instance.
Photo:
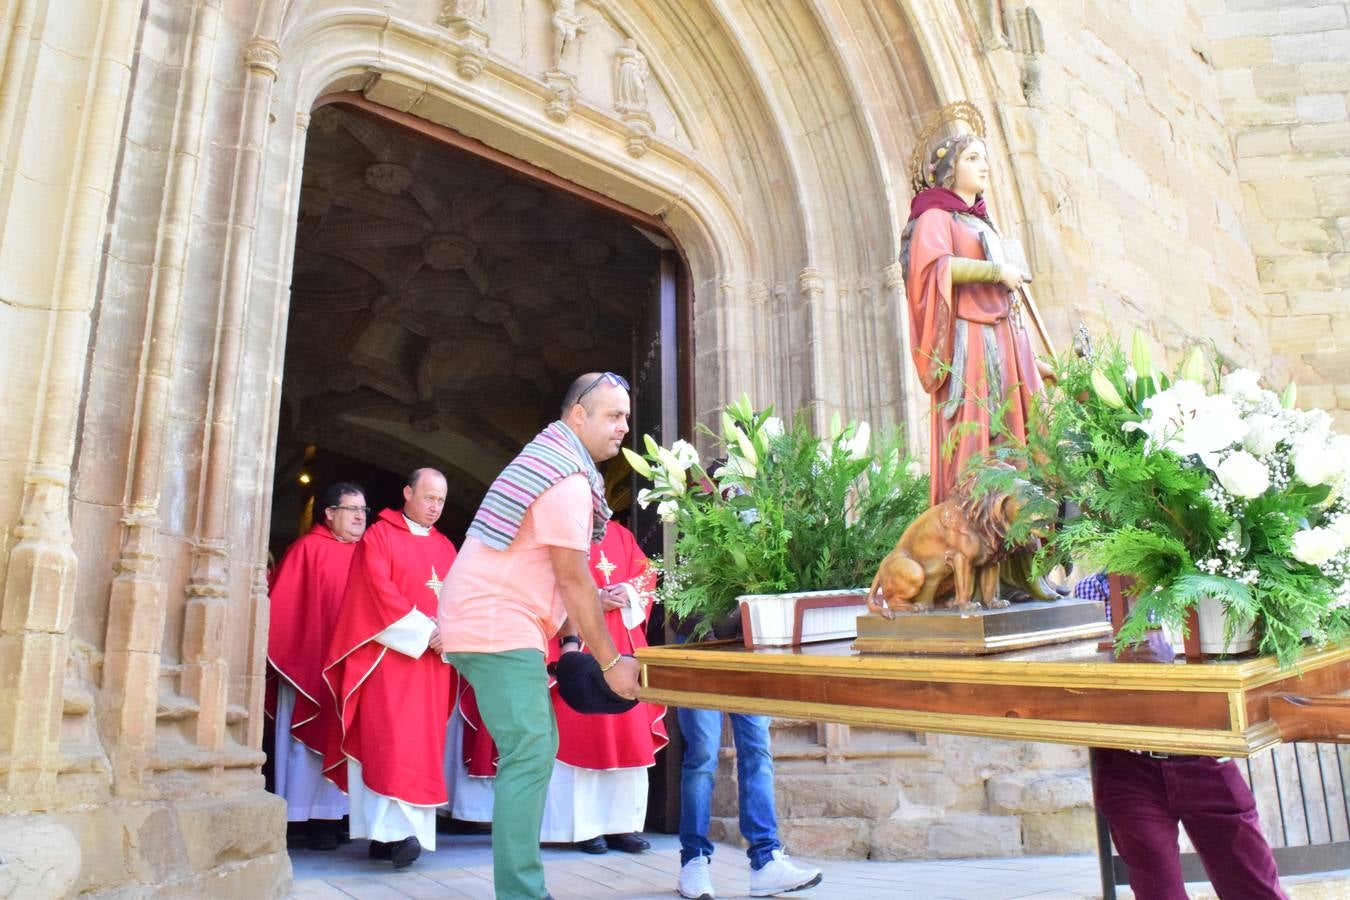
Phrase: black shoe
(379, 850)
(627, 843)
(323, 834)
(595, 845)
(405, 852)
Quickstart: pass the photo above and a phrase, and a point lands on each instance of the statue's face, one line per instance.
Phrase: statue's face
(970, 174)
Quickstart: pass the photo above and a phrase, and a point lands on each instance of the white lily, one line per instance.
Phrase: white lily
(1186, 420)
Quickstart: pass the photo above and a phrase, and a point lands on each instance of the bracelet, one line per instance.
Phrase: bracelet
(571, 639)
(612, 663)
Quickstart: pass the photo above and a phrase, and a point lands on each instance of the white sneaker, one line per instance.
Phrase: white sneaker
(695, 882)
(778, 876)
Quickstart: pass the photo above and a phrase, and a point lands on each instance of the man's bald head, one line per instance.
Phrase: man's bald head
(424, 496)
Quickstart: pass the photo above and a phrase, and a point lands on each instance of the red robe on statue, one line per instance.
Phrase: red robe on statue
(392, 708)
(969, 345)
(587, 741)
(306, 591)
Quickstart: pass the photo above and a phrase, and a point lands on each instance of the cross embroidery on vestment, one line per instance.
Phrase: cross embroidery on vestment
(434, 582)
(605, 567)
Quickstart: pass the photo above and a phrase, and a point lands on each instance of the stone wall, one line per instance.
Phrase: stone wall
(1131, 203)
(860, 793)
(1284, 73)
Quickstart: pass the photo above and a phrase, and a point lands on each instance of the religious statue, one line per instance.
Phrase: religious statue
(464, 11)
(968, 314)
(955, 546)
(630, 84)
(567, 24)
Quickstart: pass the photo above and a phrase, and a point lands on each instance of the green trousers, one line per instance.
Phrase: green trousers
(512, 691)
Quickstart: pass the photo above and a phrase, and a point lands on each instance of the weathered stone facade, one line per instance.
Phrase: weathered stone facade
(1284, 78)
(150, 184)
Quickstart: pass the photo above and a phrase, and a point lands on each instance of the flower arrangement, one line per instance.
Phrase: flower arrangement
(1196, 484)
(784, 511)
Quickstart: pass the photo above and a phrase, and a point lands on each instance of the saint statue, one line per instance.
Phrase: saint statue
(968, 321)
(630, 89)
(566, 25)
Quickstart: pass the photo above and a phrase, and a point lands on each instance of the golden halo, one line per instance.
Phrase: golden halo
(960, 111)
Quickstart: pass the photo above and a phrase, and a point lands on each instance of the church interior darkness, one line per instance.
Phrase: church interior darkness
(440, 305)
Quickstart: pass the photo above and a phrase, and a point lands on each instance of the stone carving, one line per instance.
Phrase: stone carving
(759, 292)
(459, 11)
(444, 252)
(562, 94)
(567, 24)
(467, 20)
(262, 56)
(389, 178)
(630, 96)
(1022, 27)
(630, 78)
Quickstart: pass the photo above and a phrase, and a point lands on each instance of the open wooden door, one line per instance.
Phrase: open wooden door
(657, 411)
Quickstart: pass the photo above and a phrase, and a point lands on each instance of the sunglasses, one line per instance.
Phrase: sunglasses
(616, 380)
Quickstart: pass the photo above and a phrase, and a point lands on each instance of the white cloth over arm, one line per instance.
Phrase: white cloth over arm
(409, 635)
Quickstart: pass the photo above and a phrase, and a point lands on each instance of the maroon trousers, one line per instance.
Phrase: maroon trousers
(1144, 797)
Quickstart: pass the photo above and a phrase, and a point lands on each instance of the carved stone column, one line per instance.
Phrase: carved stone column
(38, 600)
(811, 292)
(205, 672)
(137, 605)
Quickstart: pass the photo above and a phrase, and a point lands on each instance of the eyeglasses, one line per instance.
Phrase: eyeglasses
(616, 380)
(364, 510)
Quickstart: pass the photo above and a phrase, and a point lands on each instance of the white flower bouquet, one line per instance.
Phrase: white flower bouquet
(782, 510)
(1198, 484)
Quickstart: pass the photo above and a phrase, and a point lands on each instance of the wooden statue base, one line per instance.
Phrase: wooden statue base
(980, 631)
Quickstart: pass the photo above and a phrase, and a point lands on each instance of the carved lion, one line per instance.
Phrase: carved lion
(949, 548)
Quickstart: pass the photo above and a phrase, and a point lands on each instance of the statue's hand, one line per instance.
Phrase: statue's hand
(1046, 371)
(1013, 278)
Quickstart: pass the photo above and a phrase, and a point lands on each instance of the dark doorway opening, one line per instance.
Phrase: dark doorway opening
(443, 297)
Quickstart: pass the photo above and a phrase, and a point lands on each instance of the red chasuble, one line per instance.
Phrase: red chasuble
(305, 592)
(392, 708)
(592, 741)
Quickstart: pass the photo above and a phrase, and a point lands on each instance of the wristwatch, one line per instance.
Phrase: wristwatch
(571, 639)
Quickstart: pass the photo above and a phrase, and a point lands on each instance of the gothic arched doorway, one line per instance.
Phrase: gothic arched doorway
(443, 296)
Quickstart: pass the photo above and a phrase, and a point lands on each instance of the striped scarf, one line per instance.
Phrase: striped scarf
(555, 453)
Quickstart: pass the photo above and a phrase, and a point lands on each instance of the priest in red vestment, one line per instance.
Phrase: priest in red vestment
(306, 590)
(392, 689)
(597, 796)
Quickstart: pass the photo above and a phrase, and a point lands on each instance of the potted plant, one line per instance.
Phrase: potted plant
(1206, 488)
(783, 512)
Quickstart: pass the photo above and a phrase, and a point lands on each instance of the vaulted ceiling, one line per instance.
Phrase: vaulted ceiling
(440, 304)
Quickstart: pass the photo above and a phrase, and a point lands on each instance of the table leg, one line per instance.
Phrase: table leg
(1108, 872)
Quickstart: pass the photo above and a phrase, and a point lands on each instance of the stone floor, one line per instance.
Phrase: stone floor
(462, 867)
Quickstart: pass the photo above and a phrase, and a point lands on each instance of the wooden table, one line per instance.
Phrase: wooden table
(1071, 694)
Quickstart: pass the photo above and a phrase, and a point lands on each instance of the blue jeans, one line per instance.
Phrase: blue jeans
(702, 730)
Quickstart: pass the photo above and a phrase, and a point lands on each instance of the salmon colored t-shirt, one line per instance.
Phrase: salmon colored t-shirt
(498, 600)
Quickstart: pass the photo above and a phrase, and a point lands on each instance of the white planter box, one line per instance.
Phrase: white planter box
(1212, 619)
(771, 620)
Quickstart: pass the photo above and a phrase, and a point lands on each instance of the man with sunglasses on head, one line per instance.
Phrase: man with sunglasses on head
(522, 576)
(306, 591)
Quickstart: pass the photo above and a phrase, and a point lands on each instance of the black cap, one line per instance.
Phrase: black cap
(583, 687)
